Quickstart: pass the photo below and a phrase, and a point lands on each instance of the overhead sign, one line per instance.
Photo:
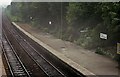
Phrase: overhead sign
(103, 36)
(118, 48)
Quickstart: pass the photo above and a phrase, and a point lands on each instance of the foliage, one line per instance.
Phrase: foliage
(78, 22)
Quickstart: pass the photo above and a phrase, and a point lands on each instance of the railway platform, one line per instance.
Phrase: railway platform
(2, 70)
(83, 60)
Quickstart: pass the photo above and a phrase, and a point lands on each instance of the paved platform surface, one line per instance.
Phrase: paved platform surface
(83, 60)
(2, 70)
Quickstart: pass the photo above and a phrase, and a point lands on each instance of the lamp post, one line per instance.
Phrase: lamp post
(50, 22)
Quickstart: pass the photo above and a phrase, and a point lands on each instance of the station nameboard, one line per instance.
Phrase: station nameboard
(103, 36)
(118, 48)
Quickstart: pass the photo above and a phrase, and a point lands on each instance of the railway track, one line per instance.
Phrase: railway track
(42, 63)
(15, 65)
(33, 69)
